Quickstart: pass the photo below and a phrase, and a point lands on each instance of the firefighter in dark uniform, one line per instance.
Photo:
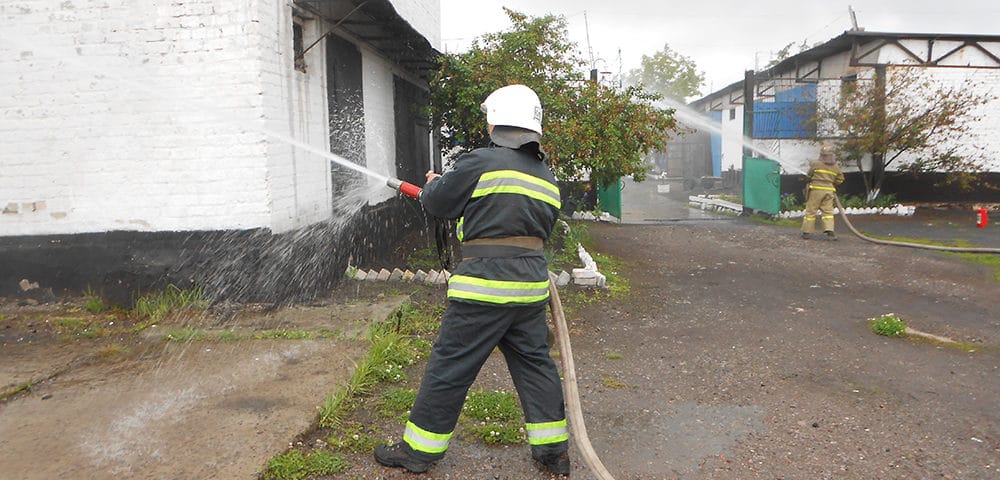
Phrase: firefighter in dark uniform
(824, 176)
(506, 202)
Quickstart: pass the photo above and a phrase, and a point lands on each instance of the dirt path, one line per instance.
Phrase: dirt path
(161, 409)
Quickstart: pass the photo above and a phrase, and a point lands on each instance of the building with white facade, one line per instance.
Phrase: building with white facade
(151, 142)
(786, 96)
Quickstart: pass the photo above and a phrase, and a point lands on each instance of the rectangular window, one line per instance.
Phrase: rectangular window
(298, 45)
(732, 114)
(413, 129)
(346, 109)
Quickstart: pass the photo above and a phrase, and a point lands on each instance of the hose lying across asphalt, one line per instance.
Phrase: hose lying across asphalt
(570, 390)
(860, 235)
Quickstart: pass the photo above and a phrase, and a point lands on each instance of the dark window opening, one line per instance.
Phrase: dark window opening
(732, 114)
(298, 46)
(413, 128)
(346, 111)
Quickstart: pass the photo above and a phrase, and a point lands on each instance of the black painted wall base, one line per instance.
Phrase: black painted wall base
(243, 266)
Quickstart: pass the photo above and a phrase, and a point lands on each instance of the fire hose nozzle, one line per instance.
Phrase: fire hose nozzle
(406, 188)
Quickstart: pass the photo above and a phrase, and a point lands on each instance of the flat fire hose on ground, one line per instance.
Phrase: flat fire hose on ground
(578, 430)
(843, 214)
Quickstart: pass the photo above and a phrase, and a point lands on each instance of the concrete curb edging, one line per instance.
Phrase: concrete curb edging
(588, 276)
(709, 203)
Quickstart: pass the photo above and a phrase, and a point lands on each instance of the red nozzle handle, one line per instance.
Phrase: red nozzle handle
(406, 188)
(410, 190)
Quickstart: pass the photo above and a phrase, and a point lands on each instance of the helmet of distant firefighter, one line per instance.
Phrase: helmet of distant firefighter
(826, 154)
(514, 106)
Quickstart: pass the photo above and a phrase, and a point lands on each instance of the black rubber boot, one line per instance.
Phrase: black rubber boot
(398, 455)
(555, 463)
(806, 236)
(830, 235)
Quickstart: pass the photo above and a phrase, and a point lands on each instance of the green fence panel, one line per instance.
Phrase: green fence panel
(762, 184)
(611, 198)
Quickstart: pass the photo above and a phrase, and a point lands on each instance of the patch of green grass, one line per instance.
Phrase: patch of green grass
(425, 258)
(614, 383)
(157, 305)
(561, 248)
(296, 465)
(889, 325)
(389, 354)
(396, 401)
(417, 319)
(112, 351)
(354, 437)
(74, 327)
(195, 334)
(777, 221)
(493, 417)
(614, 356)
(16, 389)
(93, 302)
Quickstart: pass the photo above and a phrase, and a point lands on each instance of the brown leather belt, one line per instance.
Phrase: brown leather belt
(505, 247)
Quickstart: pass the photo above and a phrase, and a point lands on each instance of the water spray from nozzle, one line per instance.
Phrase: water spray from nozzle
(406, 188)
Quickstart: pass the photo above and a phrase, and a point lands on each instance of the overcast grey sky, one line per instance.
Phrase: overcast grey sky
(723, 37)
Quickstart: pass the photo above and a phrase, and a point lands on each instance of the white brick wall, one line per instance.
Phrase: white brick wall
(159, 115)
(129, 115)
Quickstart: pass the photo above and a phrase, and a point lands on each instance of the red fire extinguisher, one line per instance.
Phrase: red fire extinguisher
(982, 218)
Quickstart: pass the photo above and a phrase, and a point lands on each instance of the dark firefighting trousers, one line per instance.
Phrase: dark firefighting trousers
(468, 334)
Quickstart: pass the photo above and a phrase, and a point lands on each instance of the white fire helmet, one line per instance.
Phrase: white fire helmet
(514, 106)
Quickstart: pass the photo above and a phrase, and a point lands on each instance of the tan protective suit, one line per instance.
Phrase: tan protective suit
(824, 175)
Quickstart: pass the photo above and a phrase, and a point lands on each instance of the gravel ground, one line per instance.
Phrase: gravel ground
(743, 352)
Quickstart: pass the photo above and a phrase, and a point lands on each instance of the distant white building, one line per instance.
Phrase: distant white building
(133, 133)
(786, 95)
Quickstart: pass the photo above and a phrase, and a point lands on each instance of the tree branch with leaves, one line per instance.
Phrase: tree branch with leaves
(589, 129)
(903, 113)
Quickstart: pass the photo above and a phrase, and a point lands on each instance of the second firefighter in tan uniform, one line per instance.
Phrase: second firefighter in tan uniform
(824, 176)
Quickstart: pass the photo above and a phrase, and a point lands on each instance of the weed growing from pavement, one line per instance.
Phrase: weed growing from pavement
(889, 325)
(296, 465)
(614, 356)
(614, 383)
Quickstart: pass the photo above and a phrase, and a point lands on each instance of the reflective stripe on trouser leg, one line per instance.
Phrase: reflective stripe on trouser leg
(423, 441)
(467, 336)
(526, 350)
(547, 433)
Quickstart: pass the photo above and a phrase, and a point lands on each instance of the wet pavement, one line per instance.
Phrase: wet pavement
(662, 202)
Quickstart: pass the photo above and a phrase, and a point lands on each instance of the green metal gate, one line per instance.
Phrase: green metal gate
(610, 198)
(762, 185)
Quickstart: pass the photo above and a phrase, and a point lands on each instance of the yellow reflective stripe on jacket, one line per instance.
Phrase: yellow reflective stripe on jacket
(546, 433)
(459, 234)
(820, 187)
(496, 291)
(513, 181)
(423, 441)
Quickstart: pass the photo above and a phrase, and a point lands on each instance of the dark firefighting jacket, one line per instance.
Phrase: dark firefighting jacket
(496, 193)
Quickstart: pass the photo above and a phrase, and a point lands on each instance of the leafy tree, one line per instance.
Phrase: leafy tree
(669, 74)
(906, 112)
(589, 128)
